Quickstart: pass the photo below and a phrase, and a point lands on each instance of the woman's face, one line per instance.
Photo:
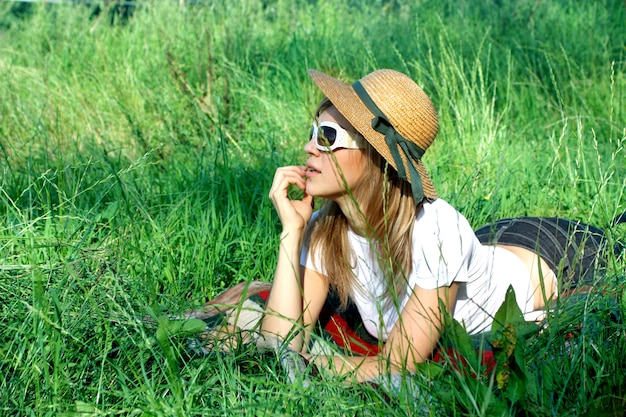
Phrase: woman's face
(329, 173)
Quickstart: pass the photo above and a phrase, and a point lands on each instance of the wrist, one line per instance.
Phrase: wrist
(292, 233)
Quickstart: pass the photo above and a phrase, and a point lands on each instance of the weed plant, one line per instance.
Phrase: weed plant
(137, 147)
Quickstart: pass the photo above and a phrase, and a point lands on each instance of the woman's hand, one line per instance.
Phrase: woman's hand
(292, 292)
(293, 214)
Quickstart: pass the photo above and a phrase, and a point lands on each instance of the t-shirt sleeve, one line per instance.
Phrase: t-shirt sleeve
(443, 242)
(307, 257)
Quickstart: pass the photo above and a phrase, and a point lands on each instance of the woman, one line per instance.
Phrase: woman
(386, 244)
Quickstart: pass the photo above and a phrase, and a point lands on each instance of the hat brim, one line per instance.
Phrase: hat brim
(348, 103)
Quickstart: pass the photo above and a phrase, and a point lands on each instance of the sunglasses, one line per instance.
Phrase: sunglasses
(330, 136)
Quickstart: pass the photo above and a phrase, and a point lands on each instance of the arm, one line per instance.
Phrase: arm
(411, 341)
(297, 295)
(315, 293)
(415, 335)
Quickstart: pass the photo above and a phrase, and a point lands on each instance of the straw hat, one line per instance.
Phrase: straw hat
(396, 99)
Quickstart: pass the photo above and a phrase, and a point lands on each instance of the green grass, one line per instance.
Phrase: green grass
(137, 153)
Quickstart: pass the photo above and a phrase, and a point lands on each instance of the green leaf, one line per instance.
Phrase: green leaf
(82, 409)
(187, 327)
(168, 328)
(461, 340)
(430, 369)
(515, 388)
(509, 312)
(109, 212)
(457, 335)
(508, 336)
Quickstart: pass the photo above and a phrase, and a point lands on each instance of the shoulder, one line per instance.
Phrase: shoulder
(437, 207)
(443, 243)
(441, 231)
(439, 217)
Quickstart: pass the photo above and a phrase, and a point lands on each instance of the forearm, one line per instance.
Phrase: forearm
(284, 305)
(362, 368)
(411, 341)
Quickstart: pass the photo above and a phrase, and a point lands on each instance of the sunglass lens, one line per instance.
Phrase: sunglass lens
(328, 136)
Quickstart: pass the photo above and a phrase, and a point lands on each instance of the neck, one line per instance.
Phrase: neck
(352, 210)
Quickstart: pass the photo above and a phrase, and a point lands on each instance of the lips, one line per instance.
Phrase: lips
(310, 170)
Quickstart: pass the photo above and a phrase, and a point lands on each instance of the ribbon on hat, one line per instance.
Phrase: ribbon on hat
(412, 151)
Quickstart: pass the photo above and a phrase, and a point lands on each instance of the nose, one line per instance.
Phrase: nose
(311, 147)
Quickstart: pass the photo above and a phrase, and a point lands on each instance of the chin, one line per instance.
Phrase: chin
(323, 191)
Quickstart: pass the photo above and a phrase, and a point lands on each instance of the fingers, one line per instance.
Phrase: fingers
(293, 214)
(308, 199)
(284, 177)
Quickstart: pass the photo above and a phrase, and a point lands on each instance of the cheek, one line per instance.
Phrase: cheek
(359, 163)
(351, 164)
(356, 167)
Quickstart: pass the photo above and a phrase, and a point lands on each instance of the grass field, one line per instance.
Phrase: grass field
(137, 146)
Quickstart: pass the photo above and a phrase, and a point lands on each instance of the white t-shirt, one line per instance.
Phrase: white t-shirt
(445, 250)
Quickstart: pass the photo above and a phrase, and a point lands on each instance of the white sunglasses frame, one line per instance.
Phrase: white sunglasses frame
(343, 140)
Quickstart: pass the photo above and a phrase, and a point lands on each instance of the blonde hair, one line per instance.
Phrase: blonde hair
(386, 205)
